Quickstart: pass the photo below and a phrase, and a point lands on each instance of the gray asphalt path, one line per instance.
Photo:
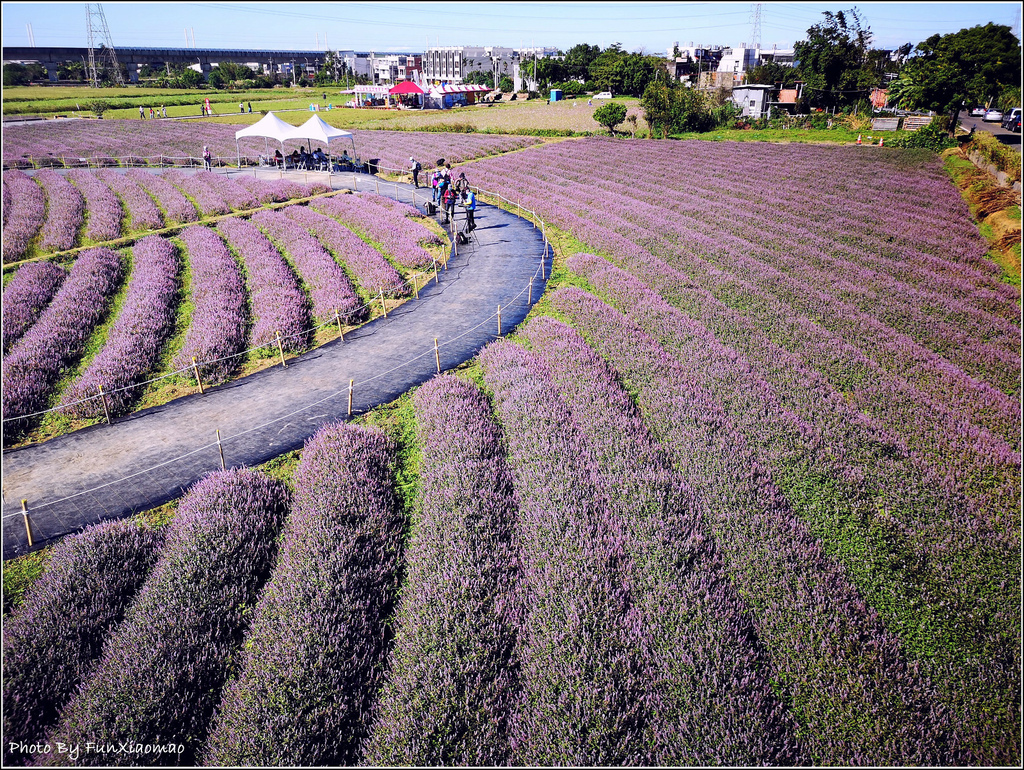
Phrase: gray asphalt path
(148, 458)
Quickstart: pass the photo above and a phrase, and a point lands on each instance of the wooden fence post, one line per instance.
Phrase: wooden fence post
(383, 305)
(28, 527)
(337, 318)
(529, 300)
(499, 320)
(437, 356)
(280, 349)
(350, 397)
(220, 448)
(195, 369)
(106, 412)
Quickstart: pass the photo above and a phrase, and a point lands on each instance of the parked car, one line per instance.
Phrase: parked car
(1010, 117)
(1015, 125)
(993, 116)
(604, 95)
(978, 112)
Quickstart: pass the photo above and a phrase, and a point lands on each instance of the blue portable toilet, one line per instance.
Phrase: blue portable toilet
(556, 94)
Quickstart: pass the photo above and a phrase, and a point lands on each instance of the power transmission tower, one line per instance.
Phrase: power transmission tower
(96, 27)
(755, 20)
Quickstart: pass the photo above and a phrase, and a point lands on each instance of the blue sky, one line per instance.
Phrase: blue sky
(412, 26)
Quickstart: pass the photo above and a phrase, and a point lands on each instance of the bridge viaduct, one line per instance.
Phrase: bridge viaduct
(157, 58)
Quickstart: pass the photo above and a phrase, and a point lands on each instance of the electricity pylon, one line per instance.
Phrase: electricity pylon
(96, 27)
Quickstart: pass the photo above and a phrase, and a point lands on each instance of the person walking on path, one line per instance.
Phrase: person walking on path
(163, 111)
(142, 113)
(241, 107)
(207, 159)
(442, 188)
(415, 168)
(250, 107)
(461, 184)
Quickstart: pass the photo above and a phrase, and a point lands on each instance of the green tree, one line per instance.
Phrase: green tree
(610, 115)
(973, 65)
(505, 85)
(578, 60)
(97, 107)
(657, 104)
(833, 60)
(480, 78)
(15, 75)
(771, 73)
(603, 72)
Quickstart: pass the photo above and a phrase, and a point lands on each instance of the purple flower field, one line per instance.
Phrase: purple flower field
(183, 139)
(743, 490)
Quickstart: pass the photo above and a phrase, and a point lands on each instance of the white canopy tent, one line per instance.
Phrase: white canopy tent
(272, 127)
(317, 128)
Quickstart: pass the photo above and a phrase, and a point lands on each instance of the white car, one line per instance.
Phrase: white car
(604, 95)
(978, 112)
(993, 116)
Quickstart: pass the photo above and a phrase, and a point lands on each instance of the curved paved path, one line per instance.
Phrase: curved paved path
(152, 456)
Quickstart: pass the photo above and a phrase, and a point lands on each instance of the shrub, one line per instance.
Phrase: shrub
(454, 675)
(25, 297)
(58, 338)
(161, 672)
(314, 656)
(133, 346)
(50, 643)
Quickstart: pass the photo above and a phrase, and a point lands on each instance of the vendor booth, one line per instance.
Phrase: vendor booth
(445, 97)
(408, 95)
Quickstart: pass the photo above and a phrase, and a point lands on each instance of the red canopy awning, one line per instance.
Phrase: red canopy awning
(406, 87)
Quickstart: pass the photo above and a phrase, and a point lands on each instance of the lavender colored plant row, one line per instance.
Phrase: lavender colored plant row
(50, 643)
(176, 207)
(8, 199)
(134, 344)
(118, 138)
(920, 556)
(209, 201)
(161, 672)
(218, 324)
(453, 681)
(368, 266)
(850, 685)
(143, 213)
(65, 212)
(714, 700)
(25, 213)
(398, 236)
(277, 303)
(280, 190)
(237, 196)
(59, 336)
(330, 290)
(25, 297)
(314, 655)
(584, 664)
(103, 213)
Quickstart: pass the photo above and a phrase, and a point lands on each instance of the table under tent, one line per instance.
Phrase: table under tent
(313, 130)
